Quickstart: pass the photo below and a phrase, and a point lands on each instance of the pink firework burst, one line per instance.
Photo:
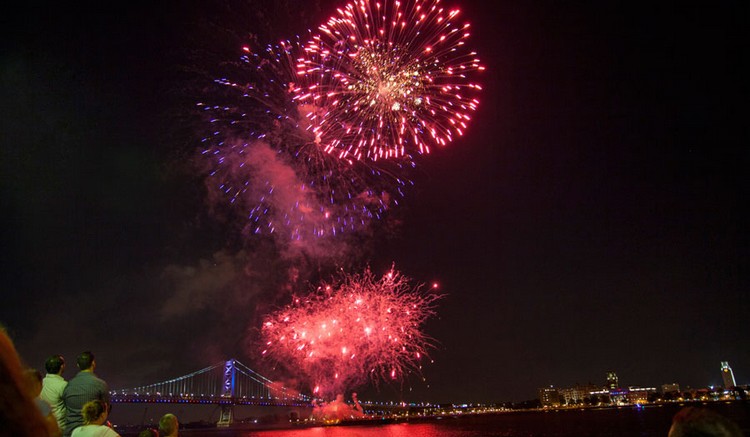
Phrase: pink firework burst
(261, 159)
(358, 329)
(389, 79)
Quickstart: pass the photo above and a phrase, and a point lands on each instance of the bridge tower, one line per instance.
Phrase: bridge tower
(226, 417)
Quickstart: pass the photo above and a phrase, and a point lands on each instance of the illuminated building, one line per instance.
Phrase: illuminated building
(727, 375)
(619, 396)
(549, 397)
(577, 394)
(613, 383)
(670, 388)
(639, 395)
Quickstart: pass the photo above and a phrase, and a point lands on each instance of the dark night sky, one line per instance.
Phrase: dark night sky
(591, 219)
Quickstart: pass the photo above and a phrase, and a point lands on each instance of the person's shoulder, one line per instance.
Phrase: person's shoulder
(54, 379)
(110, 432)
(74, 380)
(78, 376)
(100, 381)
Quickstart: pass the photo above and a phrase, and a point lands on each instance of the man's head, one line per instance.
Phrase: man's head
(55, 365)
(86, 361)
(168, 425)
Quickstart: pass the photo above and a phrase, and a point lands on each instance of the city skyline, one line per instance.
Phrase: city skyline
(591, 217)
(610, 383)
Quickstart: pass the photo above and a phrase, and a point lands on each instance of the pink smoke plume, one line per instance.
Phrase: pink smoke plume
(337, 409)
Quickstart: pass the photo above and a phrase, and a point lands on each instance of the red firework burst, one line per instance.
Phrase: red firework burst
(359, 329)
(389, 79)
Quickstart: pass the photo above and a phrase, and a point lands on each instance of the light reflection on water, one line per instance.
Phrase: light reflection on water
(614, 422)
(392, 430)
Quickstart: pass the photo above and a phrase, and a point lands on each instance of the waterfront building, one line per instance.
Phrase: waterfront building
(572, 395)
(670, 388)
(549, 397)
(577, 394)
(639, 395)
(613, 383)
(619, 396)
(601, 397)
(727, 375)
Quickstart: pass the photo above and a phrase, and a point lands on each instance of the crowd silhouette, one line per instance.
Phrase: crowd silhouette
(32, 406)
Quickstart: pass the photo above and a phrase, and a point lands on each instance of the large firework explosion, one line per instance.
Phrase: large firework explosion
(262, 157)
(357, 329)
(389, 79)
(316, 136)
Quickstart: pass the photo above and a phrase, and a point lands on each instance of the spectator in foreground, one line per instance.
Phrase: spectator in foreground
(702, 422)
(94, 419)
(148, 433)
(34, 386)
(19, 416)
(168, 425)
(53, 386)
(84, 387)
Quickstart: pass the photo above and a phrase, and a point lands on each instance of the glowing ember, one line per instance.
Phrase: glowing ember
(357, 329)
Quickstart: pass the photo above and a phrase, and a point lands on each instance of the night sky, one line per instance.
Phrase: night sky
(591, 219)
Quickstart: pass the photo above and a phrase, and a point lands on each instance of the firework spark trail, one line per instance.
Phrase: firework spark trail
(358, 329)
(390, 79)
(262, 157)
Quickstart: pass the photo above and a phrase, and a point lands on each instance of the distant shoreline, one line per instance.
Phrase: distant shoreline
(196, 429)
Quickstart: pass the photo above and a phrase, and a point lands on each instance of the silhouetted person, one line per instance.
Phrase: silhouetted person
(702, 422)
(34, 386)
(53, 386)
(19, 416)
(168, 425)
(84, 387)
(94, 418)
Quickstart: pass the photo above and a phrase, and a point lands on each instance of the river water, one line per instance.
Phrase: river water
(615, 422)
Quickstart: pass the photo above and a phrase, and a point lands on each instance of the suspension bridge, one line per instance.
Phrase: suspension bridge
(227, 383)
